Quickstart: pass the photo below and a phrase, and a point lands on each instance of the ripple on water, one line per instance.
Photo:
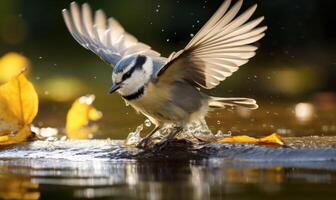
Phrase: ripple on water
(106, 150)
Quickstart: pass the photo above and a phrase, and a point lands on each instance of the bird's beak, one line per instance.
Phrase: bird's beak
(114, 88)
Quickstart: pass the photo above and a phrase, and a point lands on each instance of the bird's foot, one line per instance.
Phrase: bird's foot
(163, 144)
(144, 143)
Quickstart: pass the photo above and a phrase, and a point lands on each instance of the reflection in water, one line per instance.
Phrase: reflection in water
(182, 179)
(17, 186)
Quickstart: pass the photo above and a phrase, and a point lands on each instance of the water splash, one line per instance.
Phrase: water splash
(197, 128)
(190, 132)
(47, 134)
(134, 138)
(147, 123)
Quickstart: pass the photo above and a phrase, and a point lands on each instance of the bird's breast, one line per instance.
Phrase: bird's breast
(155, 102)
(151, 99)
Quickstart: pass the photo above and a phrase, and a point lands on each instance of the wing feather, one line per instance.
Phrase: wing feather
(221, 46)
(105, 37)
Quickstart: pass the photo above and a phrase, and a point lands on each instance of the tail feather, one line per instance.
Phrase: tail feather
(219, 102)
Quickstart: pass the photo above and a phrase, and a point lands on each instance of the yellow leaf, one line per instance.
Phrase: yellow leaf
(274, 139)
(238, 139)
(79, 117)
(11, 65)
(18, 108)
(4, 138)
(18, 137)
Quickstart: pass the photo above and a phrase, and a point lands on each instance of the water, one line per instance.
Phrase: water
(106, 169)
(109, 169)
(211, 179)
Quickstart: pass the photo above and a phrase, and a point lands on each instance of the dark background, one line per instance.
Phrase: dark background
(300, 41)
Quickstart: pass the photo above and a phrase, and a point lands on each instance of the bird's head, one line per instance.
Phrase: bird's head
(131, 74)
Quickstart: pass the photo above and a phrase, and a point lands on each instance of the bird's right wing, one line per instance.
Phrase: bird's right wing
(105, 37)
(217, 50)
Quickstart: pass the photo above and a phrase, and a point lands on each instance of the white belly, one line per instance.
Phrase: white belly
(157, 105)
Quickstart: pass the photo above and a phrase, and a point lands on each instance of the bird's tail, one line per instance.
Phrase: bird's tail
(219, 102)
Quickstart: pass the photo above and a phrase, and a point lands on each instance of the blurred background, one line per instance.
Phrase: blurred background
(292, 77)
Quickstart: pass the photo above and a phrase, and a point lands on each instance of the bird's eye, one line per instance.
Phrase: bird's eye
(127, 75)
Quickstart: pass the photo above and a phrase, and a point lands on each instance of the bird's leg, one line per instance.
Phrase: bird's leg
(169, 138)
(144, 142)
(172, 135)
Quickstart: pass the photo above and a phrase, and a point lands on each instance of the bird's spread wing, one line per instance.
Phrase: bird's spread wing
(104, 37)
(217, 50)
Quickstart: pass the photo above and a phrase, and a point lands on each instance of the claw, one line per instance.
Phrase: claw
(163, 144)
(143, 144)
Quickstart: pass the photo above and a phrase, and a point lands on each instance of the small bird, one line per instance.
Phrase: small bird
(168, 90)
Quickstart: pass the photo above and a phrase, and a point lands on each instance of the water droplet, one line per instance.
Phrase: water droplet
(139, 128)
(134, 138)
(193, 26)
(40, 57)
(219, 133)
(157, 10)
(158, 5)
(167, 40)
(162, 30)
(37, 78)
(55, 64)
(63, 138)
(198, 21)
(191, 35)
(229, 133)
(148, 123)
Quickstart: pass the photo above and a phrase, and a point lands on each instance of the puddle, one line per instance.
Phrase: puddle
(104, 169)
(107, 169)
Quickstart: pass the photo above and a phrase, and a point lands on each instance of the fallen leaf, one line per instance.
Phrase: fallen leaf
(18, 108)
(11, 65)
(79, 117)
(273, 139)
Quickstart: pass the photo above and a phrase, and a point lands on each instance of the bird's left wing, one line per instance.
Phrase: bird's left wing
(105, 37)
(217, 50)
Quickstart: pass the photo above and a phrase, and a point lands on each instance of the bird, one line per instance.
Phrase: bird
(169, 90)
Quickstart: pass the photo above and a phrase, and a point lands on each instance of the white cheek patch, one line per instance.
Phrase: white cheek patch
(148, 67)
(134, 83)
(116, 78)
